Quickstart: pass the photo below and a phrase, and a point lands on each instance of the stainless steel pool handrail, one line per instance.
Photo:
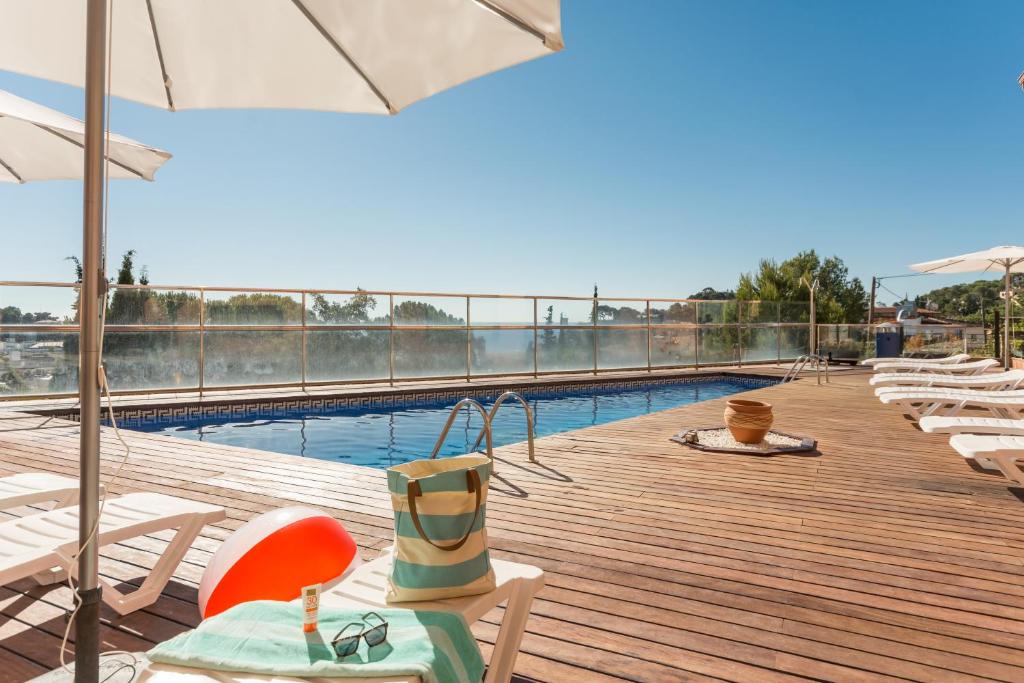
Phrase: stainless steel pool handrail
(529, 420)
(451, 420)
(800, 363)
(795, 368)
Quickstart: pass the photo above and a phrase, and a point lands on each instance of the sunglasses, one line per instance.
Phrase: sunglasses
(346, 645)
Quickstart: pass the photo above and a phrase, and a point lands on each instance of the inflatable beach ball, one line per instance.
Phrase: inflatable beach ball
(273, 556)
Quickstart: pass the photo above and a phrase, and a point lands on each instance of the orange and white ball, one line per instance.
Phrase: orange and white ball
(273, 556)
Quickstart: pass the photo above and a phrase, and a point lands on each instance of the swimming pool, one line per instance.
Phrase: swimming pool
(384, 435)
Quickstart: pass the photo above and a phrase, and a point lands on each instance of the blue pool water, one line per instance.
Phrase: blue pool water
(382, 436)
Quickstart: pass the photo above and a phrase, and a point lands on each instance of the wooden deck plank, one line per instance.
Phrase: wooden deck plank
(883, 557)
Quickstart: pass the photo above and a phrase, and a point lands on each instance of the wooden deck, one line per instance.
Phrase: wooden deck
(883, 557)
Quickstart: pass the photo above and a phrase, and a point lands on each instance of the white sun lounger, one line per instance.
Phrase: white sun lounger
(972, 425)
(36, 544)
(955, 358)
(31, 488)
(365, 589)
(1004, 452)
(971, 368)
(994, 426)
(924, 401)
(992, 380)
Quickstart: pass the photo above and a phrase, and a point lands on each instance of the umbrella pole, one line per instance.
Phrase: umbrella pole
(1006, 322)
(87, 622)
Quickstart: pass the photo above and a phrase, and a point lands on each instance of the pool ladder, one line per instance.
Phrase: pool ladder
(800, 363)
(485, 432)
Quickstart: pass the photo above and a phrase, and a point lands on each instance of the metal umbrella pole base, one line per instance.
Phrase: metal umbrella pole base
(87, 641)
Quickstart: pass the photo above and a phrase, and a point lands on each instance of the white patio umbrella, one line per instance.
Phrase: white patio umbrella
(39, 143)
(1003, 260)
(368, 56)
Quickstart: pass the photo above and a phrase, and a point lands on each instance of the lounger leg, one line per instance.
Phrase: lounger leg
(157, 579)
(510, 635)
(51, 576)
(1008, 466)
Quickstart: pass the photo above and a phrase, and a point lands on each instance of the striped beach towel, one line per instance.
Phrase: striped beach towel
(440, 533)
(265, 637)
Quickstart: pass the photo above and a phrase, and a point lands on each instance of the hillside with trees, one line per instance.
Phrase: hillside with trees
(967, 301)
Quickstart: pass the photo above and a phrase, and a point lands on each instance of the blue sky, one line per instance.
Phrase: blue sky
(669, 147)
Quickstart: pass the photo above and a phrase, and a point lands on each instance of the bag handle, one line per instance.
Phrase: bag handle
(413, 491)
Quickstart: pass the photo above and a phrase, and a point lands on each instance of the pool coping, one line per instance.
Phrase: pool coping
(241, 404)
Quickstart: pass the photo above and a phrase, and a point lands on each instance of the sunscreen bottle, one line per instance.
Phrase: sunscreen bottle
(310, 607)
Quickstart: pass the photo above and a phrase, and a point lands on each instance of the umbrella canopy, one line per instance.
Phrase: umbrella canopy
(39, 143)
(335, 55)
(1002, 260)
(996, 259)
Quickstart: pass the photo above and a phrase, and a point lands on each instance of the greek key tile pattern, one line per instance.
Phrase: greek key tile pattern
(320, 405)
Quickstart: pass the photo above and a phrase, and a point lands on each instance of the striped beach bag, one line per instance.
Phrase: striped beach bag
(440, 536)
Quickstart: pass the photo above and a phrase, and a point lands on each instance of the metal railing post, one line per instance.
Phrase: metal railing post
(648, 335)
(304, 352)
(696, 346)
(535, 338)
(594, 324)
(202, 341)
(391, 339)
(778, 334)
(739, 334)
(469, 344)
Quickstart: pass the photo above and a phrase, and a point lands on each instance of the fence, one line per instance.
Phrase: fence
(162, 339)
(856, 342)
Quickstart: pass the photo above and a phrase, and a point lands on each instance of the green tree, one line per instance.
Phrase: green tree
(712, 294)
(839, 298)
(356, 310)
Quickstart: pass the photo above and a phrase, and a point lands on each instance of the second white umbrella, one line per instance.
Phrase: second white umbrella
(1002, 260)
(39, 143)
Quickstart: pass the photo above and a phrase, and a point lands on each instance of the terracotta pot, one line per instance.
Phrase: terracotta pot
(748, 421)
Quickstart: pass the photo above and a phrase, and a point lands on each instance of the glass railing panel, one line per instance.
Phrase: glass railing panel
(430, 310)
(253, 308)
(38, 362)
(611, 312)
(25, 305)
(621, 348)
(562, 350)
(717, 312)
(794, 341)
(673, 313)
(846, 342)
(565, 312)
(718, 344)
(252, 357)
(430, 353)
(754, 312)
(138, 361)
(760, 344)
(345, 355)
(489, 311)
(794, 312)
(358, 308)
(673, 346)
(935, 341)
(132, 306)
(495, 352)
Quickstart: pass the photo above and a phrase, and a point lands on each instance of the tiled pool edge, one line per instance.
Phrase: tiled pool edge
(241, 407)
